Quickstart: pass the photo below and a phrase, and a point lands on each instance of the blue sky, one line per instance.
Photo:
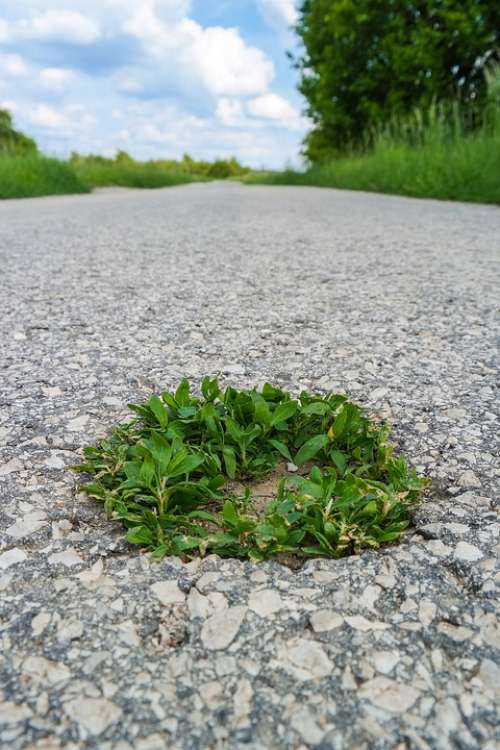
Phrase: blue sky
(154, 77)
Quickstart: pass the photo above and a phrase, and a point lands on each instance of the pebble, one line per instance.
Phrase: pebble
(219, 631)
(168, 592)
(389, 695)
(93, 715)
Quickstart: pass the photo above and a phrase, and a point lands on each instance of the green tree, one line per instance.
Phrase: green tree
(366, 61)
(13, 141)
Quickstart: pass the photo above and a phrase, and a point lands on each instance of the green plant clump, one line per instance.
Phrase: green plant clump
(167, 475)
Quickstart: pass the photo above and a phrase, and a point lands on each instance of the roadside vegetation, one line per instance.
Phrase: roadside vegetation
(179, 476)
(31, 175)
(429, 154)
(25, 172)
(404, 97)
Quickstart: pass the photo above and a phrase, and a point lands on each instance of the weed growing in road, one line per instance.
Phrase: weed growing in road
(169, 475)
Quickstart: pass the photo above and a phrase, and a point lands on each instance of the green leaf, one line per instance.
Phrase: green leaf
(234, 430)
(284, 412)
(229, 514)
(139, 535)
(182, 393)
(261, 409)
(339, 460)
(147, 470)
(161, 451)
(316, 408)
(281, 448)
(339, 422)
(187, 465)
(229, 461)
(158, 408)
(310, 449)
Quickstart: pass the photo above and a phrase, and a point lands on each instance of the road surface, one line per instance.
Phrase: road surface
(106, 297)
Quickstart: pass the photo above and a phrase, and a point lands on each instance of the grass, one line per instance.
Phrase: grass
(430, 156)
(27, 175)
(169, 475)
(103, 172)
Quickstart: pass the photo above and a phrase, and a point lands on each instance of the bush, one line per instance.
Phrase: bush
(23, 176)
(432, 153)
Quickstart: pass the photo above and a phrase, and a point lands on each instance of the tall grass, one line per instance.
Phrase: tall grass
(100, 172)
(431, 154)
(25, 175)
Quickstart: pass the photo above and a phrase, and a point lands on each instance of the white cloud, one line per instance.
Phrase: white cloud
(229, 111)
(60, 25)
(56, 79)
(4, 30)
(273, 107)
(279, 11)
(47, 117)
(226, 64)
(217, 57)
(13, 65)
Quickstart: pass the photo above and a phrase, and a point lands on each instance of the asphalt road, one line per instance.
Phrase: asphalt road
(104, 298)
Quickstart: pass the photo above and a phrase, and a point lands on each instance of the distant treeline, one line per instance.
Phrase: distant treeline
(219, 169)
(24, 171)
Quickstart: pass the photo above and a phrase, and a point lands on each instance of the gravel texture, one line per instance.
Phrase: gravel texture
(105, 298)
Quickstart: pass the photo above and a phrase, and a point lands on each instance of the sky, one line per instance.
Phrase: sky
(156, 78)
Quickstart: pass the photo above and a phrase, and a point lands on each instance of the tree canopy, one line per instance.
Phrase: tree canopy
(365, 61)
(11, 140)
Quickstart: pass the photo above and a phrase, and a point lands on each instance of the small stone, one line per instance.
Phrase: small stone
(68, 558)
(69, 630)
(265, 602)
(14, 713)
(11, 467)
(426, 611)
(370, 596)
(41, 670)
(437, 547)
(389, 695)
(219, 631)
(28, 524)
(92, 574)
(456, 413)
(358, 622)
(304, 723)
(128, 633)
(12, 557)
(211, 693)
(308, 659)
(152, 742)
(385, 661)
(467, 552)
(198, 604)
(54, 461)
(489, 674)
(233, 370)
(93, 715)
(40, 622)
(457, 633)
(168, 592)
(379, 393)
(77, 424)
(292, 468)
(468, 479)
(242, 702)
(325, 619)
